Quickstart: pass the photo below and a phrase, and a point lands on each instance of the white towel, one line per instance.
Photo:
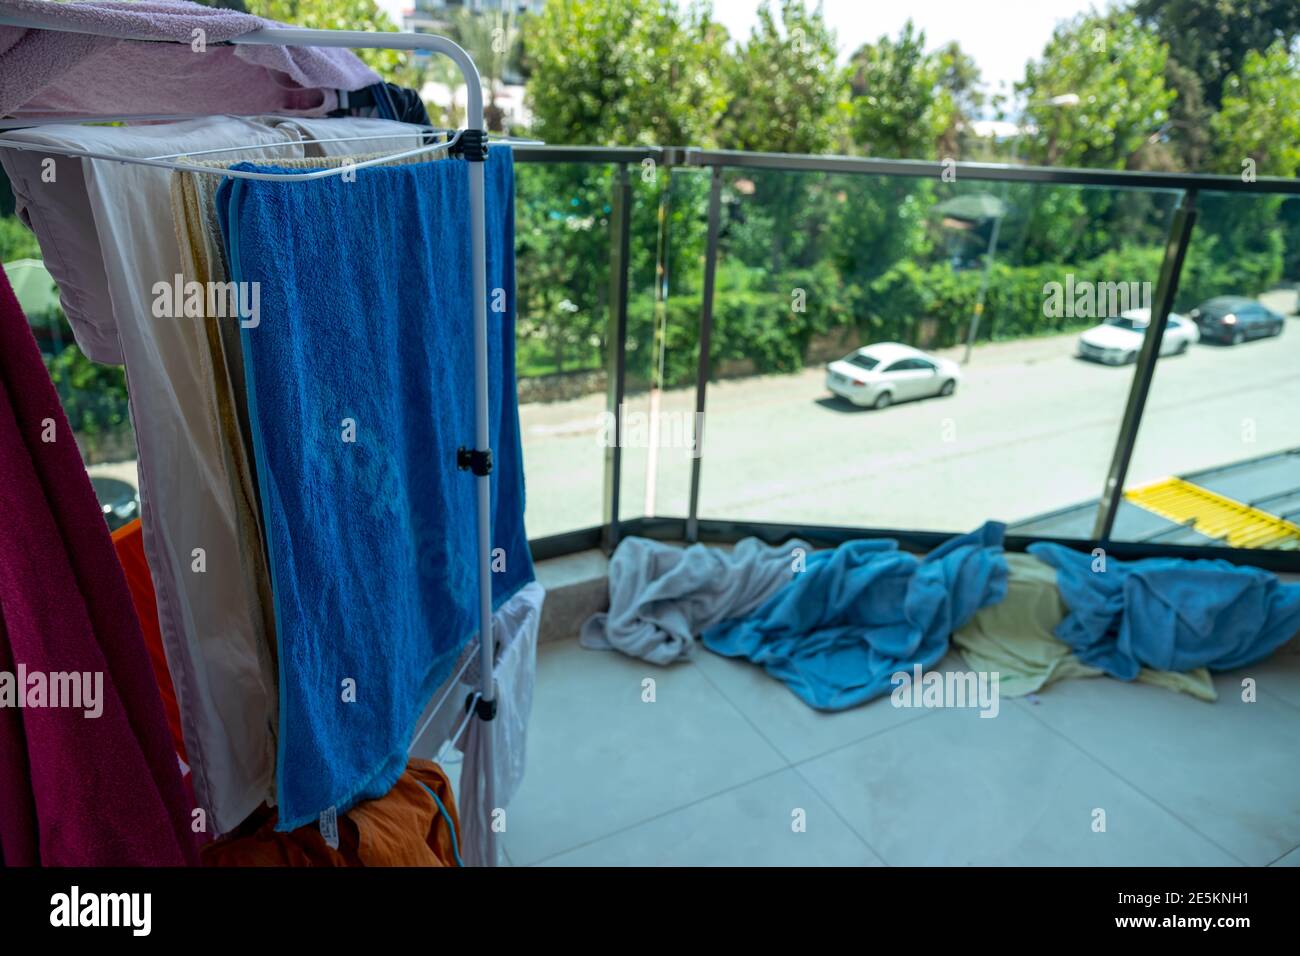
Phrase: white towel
(661, 597)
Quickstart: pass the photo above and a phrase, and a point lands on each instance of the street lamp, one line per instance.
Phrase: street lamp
(1063, 101)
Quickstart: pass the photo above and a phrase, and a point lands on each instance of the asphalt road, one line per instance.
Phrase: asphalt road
(1030, 429)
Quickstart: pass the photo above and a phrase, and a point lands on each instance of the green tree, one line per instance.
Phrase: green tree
(1259, 119)
(1208, 42)
(604, 72)
(93, 397)
(878, 221)
(494, 41)
(784, 87)
(1116, 68)
(17, 241)
(959, 77)
(392, 65)
(562, 255)
(1214, 37)
(625, 72)
(785, 93)
(1253, 241)
(899, 108)
(1184, 141)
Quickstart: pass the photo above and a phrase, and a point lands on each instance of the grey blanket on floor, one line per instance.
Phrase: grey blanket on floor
(661, 597)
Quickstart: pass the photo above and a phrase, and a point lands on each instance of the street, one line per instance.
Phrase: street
(1030, 429)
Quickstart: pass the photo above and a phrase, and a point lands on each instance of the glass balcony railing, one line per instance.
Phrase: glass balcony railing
(563, 214)
(712, 344)
(1007, 309)
(1218, 453)
(934, 437)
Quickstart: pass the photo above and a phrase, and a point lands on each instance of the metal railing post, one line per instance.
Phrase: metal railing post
(1180, 232)
(659, 342)
(620, 238)
(705, 337)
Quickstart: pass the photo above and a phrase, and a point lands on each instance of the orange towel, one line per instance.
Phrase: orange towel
(128, 541)
(402, 828)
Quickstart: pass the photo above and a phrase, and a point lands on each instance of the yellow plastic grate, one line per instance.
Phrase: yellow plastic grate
(1235, 524)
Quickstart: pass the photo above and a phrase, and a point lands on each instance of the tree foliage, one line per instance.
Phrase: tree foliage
(338, 15)
(625, 72)
(1168, 84)
(1116, 69)
(959, 77)
(1259, 118)
(869, 252)
(1209, 41)
(1214, 37)
(900, 106)
(783, 85)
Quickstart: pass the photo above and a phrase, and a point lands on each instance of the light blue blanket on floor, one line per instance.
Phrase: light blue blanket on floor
(1169, 614)
(361, 385)
(864, 611)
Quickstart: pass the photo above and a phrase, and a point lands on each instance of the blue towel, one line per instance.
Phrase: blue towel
(1169, 614)
(366, 324)
(860, 613)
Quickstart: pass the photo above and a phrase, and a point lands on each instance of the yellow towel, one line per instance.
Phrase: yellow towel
(1016, 638)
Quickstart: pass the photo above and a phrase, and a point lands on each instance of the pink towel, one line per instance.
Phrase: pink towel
(75, 789)
(51, 73)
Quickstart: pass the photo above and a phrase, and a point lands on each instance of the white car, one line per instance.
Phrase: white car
(1117, 341)
(879, 375)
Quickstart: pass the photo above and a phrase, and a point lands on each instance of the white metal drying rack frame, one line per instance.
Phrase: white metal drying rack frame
(479, 458)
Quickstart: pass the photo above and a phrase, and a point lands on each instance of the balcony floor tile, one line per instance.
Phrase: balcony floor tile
(712, 771)
(754, 824)
(958, 789)
(600, 759)
(1227, 768)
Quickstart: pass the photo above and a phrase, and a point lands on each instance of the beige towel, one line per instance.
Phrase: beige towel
(1016, 638)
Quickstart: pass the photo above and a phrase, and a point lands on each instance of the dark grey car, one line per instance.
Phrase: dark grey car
(1232, 319)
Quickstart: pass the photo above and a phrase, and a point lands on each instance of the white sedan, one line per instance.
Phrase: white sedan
(879, 375)
(1117, 341)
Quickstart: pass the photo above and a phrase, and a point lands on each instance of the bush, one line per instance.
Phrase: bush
(93, 397)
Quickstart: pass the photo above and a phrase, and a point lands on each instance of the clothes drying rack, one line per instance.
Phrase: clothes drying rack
(472, 143)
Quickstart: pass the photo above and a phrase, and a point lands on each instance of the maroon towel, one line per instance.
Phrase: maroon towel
(74, 790)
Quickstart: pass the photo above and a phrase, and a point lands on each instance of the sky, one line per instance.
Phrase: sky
(1001, 35)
